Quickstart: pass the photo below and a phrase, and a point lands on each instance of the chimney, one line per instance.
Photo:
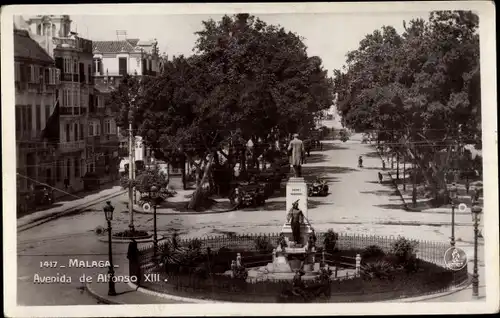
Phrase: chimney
(121, 35)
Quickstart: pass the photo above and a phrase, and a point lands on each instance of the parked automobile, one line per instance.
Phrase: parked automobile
(247, 194)
(91, 181)
(318, 188)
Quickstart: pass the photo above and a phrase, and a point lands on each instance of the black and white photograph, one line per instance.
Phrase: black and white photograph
(264, 159)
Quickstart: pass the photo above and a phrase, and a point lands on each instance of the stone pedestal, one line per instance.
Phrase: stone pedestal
(296, 189)
(305, 231)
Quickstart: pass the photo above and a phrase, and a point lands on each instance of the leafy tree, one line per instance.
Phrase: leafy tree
(246, 80)
(420, 90)
(145, 180)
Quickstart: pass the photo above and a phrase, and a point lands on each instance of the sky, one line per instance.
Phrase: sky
(327, 35)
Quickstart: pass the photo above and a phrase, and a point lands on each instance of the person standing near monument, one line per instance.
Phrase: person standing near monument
(296, 147)
(296, 219)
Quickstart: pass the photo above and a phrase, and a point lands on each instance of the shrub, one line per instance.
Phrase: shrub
(263, 244)
(195, 244)
(330, 241)
(371, 252)
(382, 270)
(324, 275)
(404, 249)
(129, 233)
(240, 273)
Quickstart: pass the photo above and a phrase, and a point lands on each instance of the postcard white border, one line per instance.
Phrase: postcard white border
(486, 12)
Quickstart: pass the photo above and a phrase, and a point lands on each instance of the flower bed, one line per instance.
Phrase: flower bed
(132, 234)
(389, 271)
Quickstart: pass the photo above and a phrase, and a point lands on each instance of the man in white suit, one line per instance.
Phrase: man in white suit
(296, 147)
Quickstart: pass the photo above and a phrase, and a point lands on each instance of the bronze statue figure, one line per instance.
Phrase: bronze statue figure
(296, 219)
(296, 147)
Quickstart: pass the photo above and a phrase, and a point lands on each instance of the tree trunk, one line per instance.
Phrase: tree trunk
(197, 197)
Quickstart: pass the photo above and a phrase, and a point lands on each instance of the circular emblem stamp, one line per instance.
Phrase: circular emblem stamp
(455, 258)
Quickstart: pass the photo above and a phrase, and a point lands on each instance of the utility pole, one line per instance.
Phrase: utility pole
(131, 173)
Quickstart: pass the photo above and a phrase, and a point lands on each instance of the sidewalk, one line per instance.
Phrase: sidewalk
(125, 293)
(64, 207)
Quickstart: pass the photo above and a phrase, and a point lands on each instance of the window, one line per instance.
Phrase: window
(41, 75)
(67, 132)
(29, 120)
(38, 117)
(47, 78)
(82, 72)
(89, 73)
(75, 67)
(60, 62)
(107, 126)
(77, 167)
(82, 136)
(18, 117)
(59, 166)
(76, 131)
(91, 129)
(122, 65)
(68, 169)
(17, 71)
(32, 73)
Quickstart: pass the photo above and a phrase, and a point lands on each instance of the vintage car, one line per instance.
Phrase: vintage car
(246, 194)
(318, 188)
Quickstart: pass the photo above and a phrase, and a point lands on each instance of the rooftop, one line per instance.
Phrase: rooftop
(129, 46)
(26, 47)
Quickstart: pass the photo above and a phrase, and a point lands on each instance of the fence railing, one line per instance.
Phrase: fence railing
(260, 290)
(426, 250)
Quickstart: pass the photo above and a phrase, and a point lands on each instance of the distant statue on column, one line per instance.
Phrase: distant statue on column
(296, 147)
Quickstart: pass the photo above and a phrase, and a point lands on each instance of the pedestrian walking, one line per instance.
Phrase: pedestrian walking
(383, 164)
(360, 162)
(467, 186)
(133, 261)
(380, 177)
(66, 183)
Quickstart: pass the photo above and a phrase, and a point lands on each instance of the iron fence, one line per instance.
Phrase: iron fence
(261, 290)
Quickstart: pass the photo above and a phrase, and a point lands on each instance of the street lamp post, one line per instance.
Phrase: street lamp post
(476, 218)
(154, 191)
(131, 168)
(453, 196)
(108, 214)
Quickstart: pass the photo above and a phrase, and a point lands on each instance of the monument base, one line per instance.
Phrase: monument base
(305, 231)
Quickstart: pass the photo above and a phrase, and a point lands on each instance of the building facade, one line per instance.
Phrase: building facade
(36, 85)
(73, 58)
(112, 61)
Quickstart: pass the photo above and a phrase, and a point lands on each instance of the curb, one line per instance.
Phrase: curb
(396, 186)
(127, 240)
(56, 215)
(100, 298)
(139, 211)
(457, 289)
(173, 297)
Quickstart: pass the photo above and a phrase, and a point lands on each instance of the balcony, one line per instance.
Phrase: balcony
(27, 135)
(72, 146)
(66, 77)
(73, 111)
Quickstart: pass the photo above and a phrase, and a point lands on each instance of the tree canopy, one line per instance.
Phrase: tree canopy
(420, 90)
(245, 80)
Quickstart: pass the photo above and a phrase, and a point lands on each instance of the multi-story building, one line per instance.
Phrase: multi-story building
(73, 58)
(36, 83)
(112, 61)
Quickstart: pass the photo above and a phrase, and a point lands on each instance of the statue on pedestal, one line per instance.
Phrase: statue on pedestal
(296, 219)
(296, 147)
